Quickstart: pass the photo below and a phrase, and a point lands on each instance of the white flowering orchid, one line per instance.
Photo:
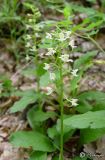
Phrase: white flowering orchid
(72, 44)
(74, 72)
(74, 102)
(28, 37)
(29, 15)
(62, 37)
(27, 57)
(49, 90)
(28, 45)
(47, 66)
(28, 26)
(48, 36)
(65, 58)
(52, 76)
(33, 49)
(30, 20)
(50, 52)
(67, 34)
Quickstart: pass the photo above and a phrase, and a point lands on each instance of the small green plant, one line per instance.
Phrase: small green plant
(57, 97)
(9, 16)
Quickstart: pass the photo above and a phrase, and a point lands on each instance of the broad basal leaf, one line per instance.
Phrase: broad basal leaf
(92, 95)
(36, 140)
(81, 157)
(89, 135)
(55, 158)
(52, 132)
(27, 99)
(39, 116)
(90, 119)
(44, 80)
(84, 107)
(37, 155)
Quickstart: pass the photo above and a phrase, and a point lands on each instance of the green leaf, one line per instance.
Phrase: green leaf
(54, 135)
(75, 81)
(67, 11)
(83, 107)
(33, 8)
(82, 64)
(55, 158)
(55, 132)
(38, 156)
(52, 132)
(44, 80)
(37, 141)
(93, 25)
(81, 158)
(7, 84)
(84, 59)
(89, 135)
(40, 70)
(29, 98)
(81, 9)
(31, 71)
(66, 129)
(38, 116)
(93, 32)
(90, 119)
(55, 2)
(99, 106)
(81, 25)
(92, 95)
(34, 71)
(92, 1)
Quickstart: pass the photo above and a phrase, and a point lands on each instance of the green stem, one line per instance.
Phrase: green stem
(61, 110)
(37, 76)
(38, 83)
(92, 40)
(98, 46)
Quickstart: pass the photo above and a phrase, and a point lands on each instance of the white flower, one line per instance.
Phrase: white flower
(47, 66)
(28, 26)
(27, 57)
(65, 58)
(62, 37)
(48, 36)
(33, 49)
(52, 76)
(37, 35)
(28, 37)
(28, 45)
(74, 72)
(68, 33)
(29, 15)
(49, 90)
(30, 20)
(72, 43)
(74, 102)
(50, 52)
